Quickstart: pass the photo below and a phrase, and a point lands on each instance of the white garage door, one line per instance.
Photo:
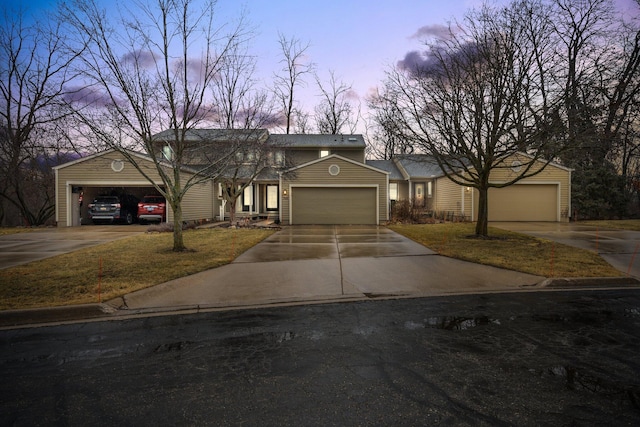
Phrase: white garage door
(335, 205)
(524, 202)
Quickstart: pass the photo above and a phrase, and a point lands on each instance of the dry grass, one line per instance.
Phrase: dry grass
(14, 230)
(623, 224)
(127, 265)
(509, 250)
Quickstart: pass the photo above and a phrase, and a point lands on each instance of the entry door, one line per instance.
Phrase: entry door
(419, 194)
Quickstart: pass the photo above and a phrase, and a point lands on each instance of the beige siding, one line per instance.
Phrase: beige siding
(451, 197)
(197, 204)
(448, 197)
(351, 175)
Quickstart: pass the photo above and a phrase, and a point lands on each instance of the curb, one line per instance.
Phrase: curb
(15, 319)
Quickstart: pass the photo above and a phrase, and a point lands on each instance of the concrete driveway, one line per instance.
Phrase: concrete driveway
(324, 263)
(22, 248)
(618, 247)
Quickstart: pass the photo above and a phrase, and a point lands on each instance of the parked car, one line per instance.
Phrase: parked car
(109, 209)
(152, 209)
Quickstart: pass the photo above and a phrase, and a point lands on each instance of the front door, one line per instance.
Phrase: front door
(419, 198)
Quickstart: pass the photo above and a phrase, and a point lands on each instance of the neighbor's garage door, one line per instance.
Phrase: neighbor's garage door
(524, 202)
(333, 205)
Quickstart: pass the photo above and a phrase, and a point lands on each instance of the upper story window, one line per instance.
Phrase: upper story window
(324, 153)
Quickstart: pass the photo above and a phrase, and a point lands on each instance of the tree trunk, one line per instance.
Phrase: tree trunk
(178, 241)
(482, 226)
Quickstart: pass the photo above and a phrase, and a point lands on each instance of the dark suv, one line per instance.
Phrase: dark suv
(108, 209)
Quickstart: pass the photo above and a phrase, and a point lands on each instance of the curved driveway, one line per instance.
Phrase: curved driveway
(321, 263)
(618, 247)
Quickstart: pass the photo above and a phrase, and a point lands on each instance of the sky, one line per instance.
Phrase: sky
(357, 39)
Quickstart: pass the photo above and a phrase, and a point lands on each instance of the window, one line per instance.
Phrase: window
(247, 198)
(429, 189)
(272, 197)
(393, 191)
(324, 153)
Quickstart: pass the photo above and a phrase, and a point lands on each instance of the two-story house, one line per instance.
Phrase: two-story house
(311, 179)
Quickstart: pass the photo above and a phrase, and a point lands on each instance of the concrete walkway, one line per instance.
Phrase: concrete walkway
(319, 263)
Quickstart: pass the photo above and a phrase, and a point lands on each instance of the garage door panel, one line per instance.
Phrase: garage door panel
(310, 205)
(524, 202)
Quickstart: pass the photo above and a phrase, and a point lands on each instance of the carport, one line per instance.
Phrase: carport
(80, 181)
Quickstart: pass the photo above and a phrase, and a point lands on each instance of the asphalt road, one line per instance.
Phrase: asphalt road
(546, 358)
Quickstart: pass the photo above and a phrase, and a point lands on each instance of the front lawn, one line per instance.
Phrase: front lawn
(117, 268)
(508, 250)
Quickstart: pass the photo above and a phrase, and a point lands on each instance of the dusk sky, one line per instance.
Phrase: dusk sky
(358, 40)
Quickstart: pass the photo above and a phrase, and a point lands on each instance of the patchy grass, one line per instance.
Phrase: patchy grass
(120, 267)
(509, 250)
(623, 224)
(14, 230)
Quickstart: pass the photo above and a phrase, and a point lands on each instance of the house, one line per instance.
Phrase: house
(545, 196)
(315, 179)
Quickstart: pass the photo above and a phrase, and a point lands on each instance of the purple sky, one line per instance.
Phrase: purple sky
(357, 39)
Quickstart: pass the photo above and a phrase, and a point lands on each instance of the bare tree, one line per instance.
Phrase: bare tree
(293, 71)
(387, 141)
(150, 71)
(335, 111)
(34, 68)
(471, 103)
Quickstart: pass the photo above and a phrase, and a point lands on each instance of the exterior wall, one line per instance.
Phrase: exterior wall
(317, 174)
(197, 204)
(450, 197)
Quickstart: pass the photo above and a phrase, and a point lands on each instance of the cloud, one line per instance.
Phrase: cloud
(437, 30)
(144, 59)
(86, 95)
(415, 60)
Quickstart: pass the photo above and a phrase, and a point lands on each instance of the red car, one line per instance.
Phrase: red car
(151, 209)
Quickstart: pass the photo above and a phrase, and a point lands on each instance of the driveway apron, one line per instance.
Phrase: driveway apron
(23, 248)
(321, 263)
(618, 247)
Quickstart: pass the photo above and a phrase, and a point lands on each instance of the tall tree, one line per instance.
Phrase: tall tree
(292, 75)
(151, 70)
(335, 110)
(471, 102)
(598, 64)
(34, 68)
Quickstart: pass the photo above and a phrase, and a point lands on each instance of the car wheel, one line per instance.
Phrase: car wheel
(129, 219)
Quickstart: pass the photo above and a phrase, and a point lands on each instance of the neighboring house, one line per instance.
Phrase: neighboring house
(545, 196)
(326, 181)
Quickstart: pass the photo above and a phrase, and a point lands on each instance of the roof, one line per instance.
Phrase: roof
(418, 166)
(317, 141)
(388, 166)
(215, 135)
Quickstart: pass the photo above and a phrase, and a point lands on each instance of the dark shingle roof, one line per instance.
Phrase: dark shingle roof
(317, 141)
(215, 135)
(419, 166)
(387, 166)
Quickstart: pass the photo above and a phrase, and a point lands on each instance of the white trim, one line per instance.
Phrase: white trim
(337, 156)
(376, 186)
(88, 183)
